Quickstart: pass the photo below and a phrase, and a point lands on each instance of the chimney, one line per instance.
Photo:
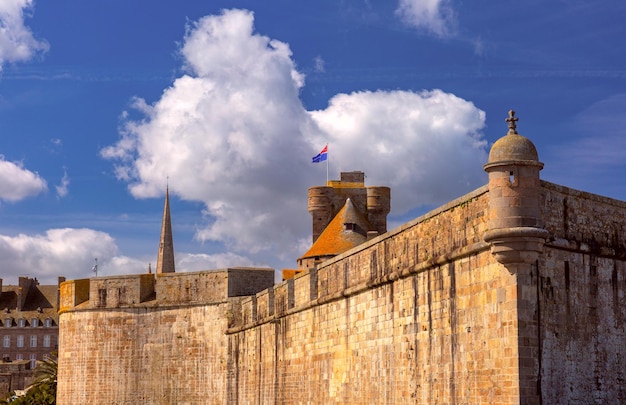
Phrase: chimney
(60, 280)
(25, 284)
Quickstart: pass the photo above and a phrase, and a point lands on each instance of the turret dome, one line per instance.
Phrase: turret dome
(512, 147)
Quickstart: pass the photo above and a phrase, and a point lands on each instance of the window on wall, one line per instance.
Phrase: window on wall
(21, 322)
(48, 322)
(33, 341)
(6, 341)
(34, 322)
(20, 341)
(46, 341)
(8, 322)
(19, 356)
(33, 360)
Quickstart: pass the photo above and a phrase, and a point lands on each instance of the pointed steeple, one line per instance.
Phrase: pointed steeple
(165, 260)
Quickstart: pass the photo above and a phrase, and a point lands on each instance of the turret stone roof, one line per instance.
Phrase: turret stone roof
(512, 146)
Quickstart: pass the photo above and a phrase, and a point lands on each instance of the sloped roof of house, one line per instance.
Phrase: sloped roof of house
(338, 237)
(40, 302)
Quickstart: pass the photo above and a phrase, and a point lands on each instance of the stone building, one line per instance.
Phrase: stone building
(30, 321)
(345, 214)
(512, 293)
(29, 330)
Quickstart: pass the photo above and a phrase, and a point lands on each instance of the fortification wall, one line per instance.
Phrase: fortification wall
(174, 355)
(581, 291)
(422, 314)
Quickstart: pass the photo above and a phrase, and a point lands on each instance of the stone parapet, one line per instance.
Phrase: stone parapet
(73, 293)
(165, 289)
(456, 229)
(120, 291)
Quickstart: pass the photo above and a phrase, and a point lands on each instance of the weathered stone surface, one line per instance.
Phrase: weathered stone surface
(423, 314)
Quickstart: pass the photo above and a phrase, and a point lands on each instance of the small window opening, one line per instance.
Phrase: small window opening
(511, 177)
(102, 297)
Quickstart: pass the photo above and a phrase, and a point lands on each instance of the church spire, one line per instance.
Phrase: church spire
(165, 260)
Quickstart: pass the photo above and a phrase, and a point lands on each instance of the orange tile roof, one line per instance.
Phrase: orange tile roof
(335, 239)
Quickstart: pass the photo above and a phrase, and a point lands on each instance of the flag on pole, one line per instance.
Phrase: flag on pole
(320, 157)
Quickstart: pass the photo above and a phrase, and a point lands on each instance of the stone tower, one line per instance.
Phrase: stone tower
(165, 260)
(515, 226)
(326, 201)
(517, 237)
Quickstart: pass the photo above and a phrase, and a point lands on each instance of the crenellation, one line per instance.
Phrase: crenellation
(283, 297)
(248, 311)
(265, 304)
(73, 293)
(305, 288)
(120, 291)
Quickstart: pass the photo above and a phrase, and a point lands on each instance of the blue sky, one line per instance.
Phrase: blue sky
(102, 102)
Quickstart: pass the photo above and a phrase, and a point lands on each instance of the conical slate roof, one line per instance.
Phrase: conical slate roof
(165, 259)
(346, 230)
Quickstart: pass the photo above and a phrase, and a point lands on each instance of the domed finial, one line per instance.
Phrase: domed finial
(512, 122)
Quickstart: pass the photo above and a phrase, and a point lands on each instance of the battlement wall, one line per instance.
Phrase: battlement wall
(424, 314)
(120, 291)
(578, 220)
(166, 289)
(421, 314)
(144, 355)
(454, 229)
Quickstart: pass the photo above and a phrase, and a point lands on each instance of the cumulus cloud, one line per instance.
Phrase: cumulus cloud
(17, 42)
(73, 252)
(228, 133)
(233, 133)
(200, 261)
(426, 146)
(17, 183)
(59, 252)
(433, 16)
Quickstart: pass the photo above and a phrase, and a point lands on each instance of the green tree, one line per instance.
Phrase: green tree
(43, 391)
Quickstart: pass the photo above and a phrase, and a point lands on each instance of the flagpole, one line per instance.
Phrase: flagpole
(327, 163)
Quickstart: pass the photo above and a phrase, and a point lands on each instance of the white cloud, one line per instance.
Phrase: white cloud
(17, 183)
(72, 253)
(434, 16)
(63, 187)
(233, 133)
(17, 42)
(197, 262)
(59, 252)
(426, 146)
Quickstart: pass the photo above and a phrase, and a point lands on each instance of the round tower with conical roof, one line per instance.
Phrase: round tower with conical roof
(515, 229)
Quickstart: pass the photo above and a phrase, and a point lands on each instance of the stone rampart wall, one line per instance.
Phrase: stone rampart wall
(421, 314)
(175, 355)
(583, 221)
(581, 290)
(192, 288)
